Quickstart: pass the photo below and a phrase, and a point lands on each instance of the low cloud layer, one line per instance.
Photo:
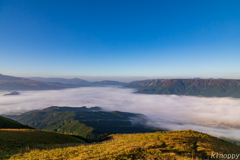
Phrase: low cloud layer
(216, 116)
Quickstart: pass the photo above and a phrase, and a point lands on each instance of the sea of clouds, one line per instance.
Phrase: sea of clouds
(215, 116)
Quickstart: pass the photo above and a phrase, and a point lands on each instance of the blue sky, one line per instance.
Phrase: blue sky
(134, 39)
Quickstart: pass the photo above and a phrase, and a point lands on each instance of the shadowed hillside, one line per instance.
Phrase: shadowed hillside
(91, 123)
(9, 123)
(196, 87)
(160, 145)
(18, 141)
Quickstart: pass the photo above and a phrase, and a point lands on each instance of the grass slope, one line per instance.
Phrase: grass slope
(13, 141)
(9, 123)
(92, 123)
(199, 87)
(159, 145)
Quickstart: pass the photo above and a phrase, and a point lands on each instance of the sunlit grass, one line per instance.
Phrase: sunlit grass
(160, 145)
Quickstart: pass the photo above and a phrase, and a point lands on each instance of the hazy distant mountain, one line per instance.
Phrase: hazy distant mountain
(39, 83)
(195, 87)
(17, 83)
(13, 93)
(77, 81)
(200, 87)
(197, 78)
(107, 82)
(62, 80)
(9, 78)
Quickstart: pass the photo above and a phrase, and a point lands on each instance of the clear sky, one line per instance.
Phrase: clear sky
(120, 38)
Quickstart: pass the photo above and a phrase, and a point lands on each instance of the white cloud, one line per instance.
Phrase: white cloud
(216, 116)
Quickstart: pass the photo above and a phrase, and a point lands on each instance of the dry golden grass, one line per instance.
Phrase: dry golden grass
(160, 145)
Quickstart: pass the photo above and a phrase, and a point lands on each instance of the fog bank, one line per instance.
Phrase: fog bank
(216, 116)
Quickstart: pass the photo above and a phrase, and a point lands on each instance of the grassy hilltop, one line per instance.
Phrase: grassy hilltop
(35, 144)
(159, 145)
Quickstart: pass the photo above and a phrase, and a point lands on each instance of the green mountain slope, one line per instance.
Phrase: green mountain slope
(90, 123)
(196, 87)
(185, 145)
(13, 141)
(9, 123)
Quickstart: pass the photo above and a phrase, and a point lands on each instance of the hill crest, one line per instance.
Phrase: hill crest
(185, 144)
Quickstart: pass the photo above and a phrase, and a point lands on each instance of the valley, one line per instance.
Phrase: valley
(119, 80)
(61, 132)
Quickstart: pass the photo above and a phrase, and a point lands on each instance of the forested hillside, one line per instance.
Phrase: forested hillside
(194, 87)
(91, 123)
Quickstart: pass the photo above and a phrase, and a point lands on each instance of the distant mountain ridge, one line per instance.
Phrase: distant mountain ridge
(61, 80)
(38, 83)
(77, 81)
(17, 83)
(199, 87)
(194, 87)
(108, 82)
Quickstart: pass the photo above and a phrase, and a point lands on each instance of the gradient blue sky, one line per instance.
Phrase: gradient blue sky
(134, 39)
